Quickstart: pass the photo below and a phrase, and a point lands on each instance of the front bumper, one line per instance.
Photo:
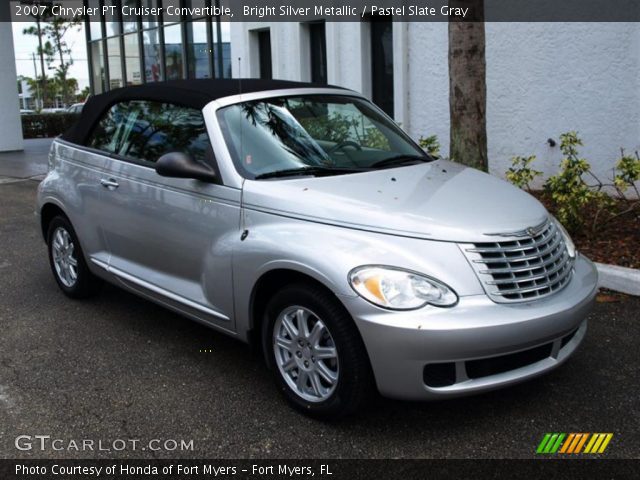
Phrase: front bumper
(477, 345)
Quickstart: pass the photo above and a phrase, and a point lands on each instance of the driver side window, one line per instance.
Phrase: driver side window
(144, 131)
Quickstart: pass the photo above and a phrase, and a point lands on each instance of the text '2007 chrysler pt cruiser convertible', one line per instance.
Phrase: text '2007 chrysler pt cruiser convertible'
(302, 218)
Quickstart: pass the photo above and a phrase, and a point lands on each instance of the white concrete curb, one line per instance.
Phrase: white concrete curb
(620, 279)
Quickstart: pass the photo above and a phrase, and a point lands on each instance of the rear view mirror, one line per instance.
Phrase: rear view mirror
(181, 165)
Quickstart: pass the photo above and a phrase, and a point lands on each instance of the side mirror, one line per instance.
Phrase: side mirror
(180, 165)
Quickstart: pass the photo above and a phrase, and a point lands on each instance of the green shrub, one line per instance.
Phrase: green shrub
(569, 191)
(521, 174)
(627, 173)
(46, 125)
(577, 203)
(431, 145)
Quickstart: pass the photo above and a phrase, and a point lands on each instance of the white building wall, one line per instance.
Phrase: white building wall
(10, 125)
(354, 58)
(543, 79)
(546, 79)
(428, 82)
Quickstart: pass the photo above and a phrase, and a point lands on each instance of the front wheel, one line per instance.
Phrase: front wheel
(315, 352)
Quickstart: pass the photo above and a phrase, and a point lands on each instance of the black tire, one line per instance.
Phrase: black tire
(355, 380)
(86, 284)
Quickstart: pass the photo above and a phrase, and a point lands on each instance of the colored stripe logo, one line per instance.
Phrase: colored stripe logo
(574, 443)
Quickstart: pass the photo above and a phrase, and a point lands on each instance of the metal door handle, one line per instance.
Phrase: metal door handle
(111, 184)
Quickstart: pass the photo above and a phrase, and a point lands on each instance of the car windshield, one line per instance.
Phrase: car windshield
(315, 135)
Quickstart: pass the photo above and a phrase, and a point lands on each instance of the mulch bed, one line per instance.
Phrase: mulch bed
(616, 243)
(609, 296)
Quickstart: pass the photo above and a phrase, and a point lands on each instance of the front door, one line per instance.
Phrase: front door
(168, 238)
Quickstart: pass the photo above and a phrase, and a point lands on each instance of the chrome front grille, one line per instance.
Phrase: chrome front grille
(522, 268)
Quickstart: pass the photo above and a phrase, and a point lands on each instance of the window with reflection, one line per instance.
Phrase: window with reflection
(114, 58)
(342, 133)
(198, 52)
(132, 59)
(130, 22)
(155, 47)
(95, 28)
(171, 6)
(112, 18)
(150, 21)
(152, 55)
(173, 52)
(144, 131)
(197, 4)
(222, 49)
(97, 67)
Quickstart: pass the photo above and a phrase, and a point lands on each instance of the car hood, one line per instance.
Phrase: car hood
(439, 200)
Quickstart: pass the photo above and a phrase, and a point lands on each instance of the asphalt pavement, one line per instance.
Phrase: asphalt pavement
(118, 367)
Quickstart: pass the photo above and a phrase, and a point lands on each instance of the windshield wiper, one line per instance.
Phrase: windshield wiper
(400, 160)
(312, 170)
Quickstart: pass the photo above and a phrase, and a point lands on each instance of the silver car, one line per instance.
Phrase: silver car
(304, 220)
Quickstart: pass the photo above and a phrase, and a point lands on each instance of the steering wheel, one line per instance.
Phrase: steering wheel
(346, 143)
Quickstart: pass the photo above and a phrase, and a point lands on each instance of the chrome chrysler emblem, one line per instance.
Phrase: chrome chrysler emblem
(527, 232)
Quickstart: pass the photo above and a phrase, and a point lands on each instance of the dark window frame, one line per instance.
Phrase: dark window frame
(264, 53)
(381, 86)
(318, 38)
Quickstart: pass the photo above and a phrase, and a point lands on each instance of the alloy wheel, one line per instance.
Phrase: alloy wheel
(305, 354)
(64, 260)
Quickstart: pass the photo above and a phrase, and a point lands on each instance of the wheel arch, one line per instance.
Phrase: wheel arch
(48, 212)
(266, 286)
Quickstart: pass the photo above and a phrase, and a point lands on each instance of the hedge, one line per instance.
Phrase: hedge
(47, 124)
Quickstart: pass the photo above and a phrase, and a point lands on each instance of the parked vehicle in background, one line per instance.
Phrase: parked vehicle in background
(27, 112)
(304, 220)
(53, 110)
(75, 108)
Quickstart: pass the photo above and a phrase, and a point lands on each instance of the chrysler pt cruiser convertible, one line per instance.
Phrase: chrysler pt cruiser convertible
(302, 219)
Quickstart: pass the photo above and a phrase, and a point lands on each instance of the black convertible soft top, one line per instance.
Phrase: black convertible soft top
(187, 93)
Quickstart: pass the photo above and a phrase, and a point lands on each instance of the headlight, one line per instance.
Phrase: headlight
(571, 247)
(397, 289)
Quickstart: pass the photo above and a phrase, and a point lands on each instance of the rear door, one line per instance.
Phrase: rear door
(168, 238)
(79, 172)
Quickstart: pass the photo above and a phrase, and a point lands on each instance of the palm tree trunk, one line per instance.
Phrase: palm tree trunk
(41, 53)
(63, 68)
(467, 89)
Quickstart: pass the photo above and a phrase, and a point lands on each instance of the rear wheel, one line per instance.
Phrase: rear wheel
(67, 260)
(315, 352)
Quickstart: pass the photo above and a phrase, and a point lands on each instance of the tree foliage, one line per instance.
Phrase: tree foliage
(53, 48)
(521, 174)
(431, 145)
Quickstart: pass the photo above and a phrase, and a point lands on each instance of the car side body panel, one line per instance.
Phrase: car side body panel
(73, 185)
(173, 236)
(328, 253)
(169, 240)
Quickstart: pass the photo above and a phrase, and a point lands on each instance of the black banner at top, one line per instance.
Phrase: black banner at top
(340, 10)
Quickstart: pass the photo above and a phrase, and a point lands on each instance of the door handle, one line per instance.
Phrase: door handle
(110, 183)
